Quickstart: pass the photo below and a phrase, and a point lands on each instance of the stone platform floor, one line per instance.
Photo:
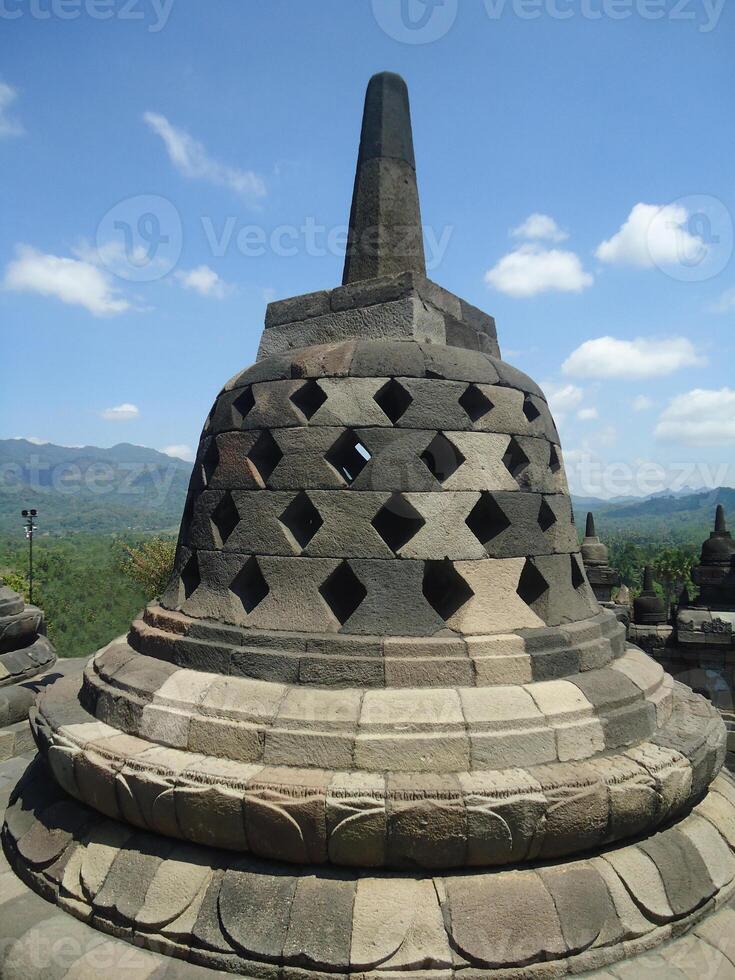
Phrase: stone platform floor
(39, 941)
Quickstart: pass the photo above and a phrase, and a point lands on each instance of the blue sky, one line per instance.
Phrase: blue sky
(216, 125)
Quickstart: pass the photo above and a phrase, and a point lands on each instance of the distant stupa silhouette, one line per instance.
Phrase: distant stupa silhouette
(378, 722)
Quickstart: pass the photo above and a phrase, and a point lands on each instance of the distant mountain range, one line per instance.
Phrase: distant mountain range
(131, 488)
(683, 517)
(124, 488)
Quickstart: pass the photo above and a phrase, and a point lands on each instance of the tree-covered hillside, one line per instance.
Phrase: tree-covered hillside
(80, 585)
(125, 488)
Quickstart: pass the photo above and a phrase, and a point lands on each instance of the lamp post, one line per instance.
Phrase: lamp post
(30, 527)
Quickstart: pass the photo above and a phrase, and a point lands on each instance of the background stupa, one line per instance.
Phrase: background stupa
(378, 721)
(25, 653)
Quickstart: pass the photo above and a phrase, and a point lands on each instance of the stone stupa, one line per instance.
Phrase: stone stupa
(379, 723)
(25, 653)
(596, 560)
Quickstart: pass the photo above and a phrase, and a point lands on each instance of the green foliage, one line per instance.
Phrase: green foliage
(672, 564)
(149, 564)
(78, 583)
(17, 582)
(672, 567)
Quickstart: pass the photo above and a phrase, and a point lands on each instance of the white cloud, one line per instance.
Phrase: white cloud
(587, 414)
(8, 126)
(121, 413)
(699, 417)
(191, 159)
(725, 304)
(33, 439)
(204, 281)
(562, 398)
(653, 236)
(540, 226)
(533, 269)
(642, 403)
(609, 357)
(180, 451)
(74, 281)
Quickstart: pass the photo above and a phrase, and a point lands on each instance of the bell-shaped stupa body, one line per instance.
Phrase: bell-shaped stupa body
(378, 721)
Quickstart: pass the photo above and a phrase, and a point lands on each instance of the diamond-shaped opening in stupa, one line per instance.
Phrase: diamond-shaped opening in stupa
(531, 585)
(225, 518)
(578, 579)
(397, 522)
(554, 461)
(343, 592)
(210, 461)
(393, 399)
(546, 516)
(530, 410)
(444, 588)
(309, 398)
(249, 585)
(187, 515)
(348, 456)
(242, 406)
(514, 459)
(475, 403)
(442, 458)
(486, 520)
(190, 577)
(265, 455)
(302, 519)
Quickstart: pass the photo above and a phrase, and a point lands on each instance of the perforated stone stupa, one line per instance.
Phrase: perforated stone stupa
(379, 722)
(25, 653)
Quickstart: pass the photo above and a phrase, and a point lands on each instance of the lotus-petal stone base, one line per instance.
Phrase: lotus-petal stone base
(260, 918)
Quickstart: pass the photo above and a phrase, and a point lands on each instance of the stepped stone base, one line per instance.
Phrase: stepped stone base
(264, 919)
(138, 866)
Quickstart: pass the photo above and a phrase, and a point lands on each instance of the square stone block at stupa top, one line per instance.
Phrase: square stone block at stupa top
(407, 306)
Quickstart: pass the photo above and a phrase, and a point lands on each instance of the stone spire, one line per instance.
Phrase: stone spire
(386, 236)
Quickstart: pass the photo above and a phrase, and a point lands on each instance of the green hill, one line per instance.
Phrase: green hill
(666, 520)
(87, 489)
